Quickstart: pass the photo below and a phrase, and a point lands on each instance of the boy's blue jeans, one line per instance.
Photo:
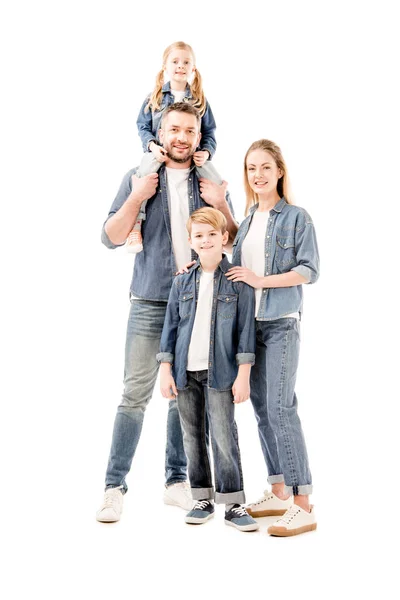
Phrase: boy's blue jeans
(274, 400)
(194, 402)
(143, 336)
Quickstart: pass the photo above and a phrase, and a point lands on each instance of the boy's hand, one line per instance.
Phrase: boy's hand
(212, 193)
(144, 187)
(200, 157)
(241, 389)
(158, 152)
(167, 383)
(186, 268)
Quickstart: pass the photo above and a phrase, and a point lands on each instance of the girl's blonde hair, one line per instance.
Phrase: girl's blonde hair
(283, 186)
(208, 216)
(196, 87)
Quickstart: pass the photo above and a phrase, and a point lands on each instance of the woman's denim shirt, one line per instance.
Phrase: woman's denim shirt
(155, 267)
(149, 122)
(290, 245)
(232, 336)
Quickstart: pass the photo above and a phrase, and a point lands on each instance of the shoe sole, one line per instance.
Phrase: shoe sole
(134, 249)
(243, 527)
(265, 513)
(197, 521)
(283, 532)
(100, 520)
(173, 503)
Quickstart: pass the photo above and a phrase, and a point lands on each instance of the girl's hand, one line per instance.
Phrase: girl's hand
(167, 382)
(243, 274)
(186, 268)
(200, 157)
(241, 389)
(158, 152)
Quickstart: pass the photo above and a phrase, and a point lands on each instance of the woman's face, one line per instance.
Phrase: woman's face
(262, 172)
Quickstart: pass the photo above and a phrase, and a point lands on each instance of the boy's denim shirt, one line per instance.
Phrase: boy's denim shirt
(155, 266)
(149, 122)
(232, 336)
(290, 245)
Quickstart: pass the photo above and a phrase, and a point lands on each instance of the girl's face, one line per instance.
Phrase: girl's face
(262, 172)
(179, 66)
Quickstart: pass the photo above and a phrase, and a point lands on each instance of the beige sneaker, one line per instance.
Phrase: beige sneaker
(134, 243)
(269, 506)
(179, 494)
(294, 521)
(111, 509)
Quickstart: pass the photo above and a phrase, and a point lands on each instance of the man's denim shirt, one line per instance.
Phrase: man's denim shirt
(290, 245)
(149, 122)
(155, 266)
(232, 336)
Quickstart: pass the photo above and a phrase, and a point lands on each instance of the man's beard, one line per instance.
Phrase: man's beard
(179, 159)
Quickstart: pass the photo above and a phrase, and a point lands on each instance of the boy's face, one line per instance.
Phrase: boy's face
(207, 241)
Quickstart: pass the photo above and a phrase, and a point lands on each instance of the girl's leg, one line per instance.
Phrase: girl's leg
(208, 171)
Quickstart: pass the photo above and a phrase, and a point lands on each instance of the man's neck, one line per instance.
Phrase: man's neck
(171, 164)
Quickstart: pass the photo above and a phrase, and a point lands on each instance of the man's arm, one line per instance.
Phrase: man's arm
(218, 197)
(120, 224)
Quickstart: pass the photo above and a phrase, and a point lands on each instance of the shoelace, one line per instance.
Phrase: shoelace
(266, 496)
(201, 504)
(110, 498)
(289, 514)
(240, 510)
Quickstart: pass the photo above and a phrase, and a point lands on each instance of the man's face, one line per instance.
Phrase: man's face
(180, 136)
(207, 241)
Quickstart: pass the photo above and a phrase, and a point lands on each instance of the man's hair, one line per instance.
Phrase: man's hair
(209, 216)
(182, 107)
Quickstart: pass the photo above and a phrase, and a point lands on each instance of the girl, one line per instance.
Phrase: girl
(277, 250)
(179, 66)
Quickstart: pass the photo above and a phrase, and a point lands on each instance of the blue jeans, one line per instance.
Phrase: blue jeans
(143, 336)
(274, 400)
(194, 402)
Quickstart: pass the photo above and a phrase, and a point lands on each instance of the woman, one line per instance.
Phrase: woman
(275, 251)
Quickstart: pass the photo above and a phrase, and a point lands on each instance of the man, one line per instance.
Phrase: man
(172, 194)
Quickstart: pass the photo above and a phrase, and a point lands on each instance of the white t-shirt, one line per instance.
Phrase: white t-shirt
(199, 346)
(178, 95)
(253, 251)
(178, 204)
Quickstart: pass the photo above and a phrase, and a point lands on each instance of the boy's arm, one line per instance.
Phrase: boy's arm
(171, 323)
(241, 386)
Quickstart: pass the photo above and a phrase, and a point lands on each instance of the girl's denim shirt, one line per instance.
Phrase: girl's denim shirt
(149, 122)
(290, 245)
(232, 335)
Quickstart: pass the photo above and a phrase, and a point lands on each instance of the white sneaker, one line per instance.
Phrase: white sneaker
(111, 508)
(294, 521)
(269, 506)
(178, 494)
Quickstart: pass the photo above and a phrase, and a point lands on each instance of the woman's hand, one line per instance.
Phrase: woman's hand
(243, 274)
(200, 157)
(186, 268)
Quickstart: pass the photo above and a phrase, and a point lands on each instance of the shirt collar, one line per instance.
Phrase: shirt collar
(224, 265)
(277, 208)
(167, 88)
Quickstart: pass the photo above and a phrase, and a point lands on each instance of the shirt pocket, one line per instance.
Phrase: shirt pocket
(285, 253)
(227, 306)
(185, 305)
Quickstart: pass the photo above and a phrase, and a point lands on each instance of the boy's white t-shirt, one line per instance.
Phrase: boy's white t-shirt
(199, 347)
(253, 251)
(178, 204)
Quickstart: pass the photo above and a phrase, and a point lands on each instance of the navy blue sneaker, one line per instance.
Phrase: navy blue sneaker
(200, 513)
(238, 517)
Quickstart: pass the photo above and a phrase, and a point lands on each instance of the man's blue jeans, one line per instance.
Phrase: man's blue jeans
(274, 400)
(143, 336)
(194, 402)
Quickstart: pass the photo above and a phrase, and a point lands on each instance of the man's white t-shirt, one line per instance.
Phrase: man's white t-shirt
(199, 346)
(253, 251)
(178, 204)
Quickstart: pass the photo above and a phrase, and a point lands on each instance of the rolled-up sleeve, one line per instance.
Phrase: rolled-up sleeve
(246, 326)
(306, 248)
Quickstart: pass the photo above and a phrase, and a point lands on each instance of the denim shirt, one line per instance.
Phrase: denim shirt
(290, 245)
(232, 336)
(155, 266)
(148, 122)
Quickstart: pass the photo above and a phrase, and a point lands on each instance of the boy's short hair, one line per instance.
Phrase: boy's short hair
(209, 216)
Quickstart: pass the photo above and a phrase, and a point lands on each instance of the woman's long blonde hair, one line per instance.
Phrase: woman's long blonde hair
(283, 186)
(196, 87)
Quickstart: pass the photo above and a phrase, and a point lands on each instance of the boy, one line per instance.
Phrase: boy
(209, 341)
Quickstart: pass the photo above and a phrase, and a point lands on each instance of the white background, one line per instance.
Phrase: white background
(319, 79)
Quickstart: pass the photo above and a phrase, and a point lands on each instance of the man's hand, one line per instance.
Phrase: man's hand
(246, 275)
(212, 193)
(241, 389)
(145, 187)
(200, 157)
(158, 152)
(167, 382)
